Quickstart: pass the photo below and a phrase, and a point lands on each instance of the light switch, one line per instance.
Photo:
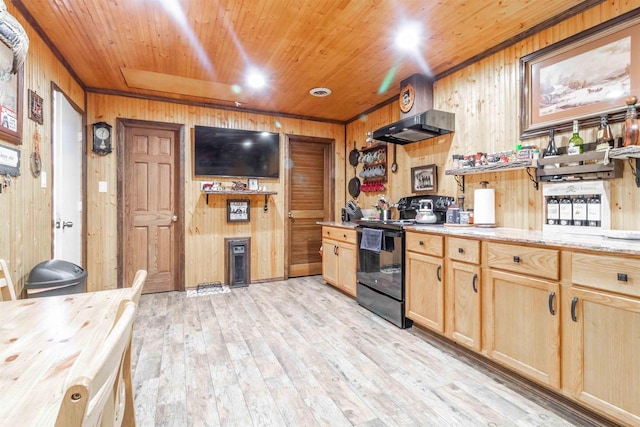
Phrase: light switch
(102, 186)
(43, 179)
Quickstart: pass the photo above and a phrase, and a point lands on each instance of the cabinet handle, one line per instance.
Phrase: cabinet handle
(516, 259)
(474, 283)
(574, 302)
(421, 243)
(551, 310)
(344, 236)
(438, 273)
(335, 250)
(622, 277)
(460, 250)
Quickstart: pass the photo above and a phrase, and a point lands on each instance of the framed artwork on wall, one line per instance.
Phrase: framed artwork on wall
(581, 78)
(424, 179)
(10, 100)
(238, 210)
(35, 107)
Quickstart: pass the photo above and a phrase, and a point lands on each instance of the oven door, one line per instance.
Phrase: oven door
(383, 270)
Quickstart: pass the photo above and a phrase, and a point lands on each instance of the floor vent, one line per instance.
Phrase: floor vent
(210, 288)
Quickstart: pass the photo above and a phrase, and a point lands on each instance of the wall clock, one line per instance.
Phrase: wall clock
(407, 97)
(101, 138)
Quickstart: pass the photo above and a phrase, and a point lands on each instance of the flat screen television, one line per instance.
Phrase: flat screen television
(235, 153)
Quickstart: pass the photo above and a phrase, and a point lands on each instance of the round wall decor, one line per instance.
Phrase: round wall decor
(407, 97)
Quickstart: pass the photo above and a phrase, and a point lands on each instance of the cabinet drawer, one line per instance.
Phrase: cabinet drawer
(428, 244)
(341, 234)
(621, 275)
(465, 250)
(525, 260)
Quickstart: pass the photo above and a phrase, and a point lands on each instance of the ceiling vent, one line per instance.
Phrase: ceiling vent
(320, 91)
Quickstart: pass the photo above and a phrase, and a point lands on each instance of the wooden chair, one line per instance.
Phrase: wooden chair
(94, 391)
(137, 285)
(5, 281)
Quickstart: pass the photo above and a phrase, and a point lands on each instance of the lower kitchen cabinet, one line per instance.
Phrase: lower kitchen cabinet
(462, 304)
(425, 290)
(339, 259)
(605, 369)
(523, 325)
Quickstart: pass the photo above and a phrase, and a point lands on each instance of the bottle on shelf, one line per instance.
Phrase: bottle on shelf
(575, 144)
(579, 211)
(566, 211)
(604, 135)
(552, 149)
(593, 210)
(553, 211)
(631, 126)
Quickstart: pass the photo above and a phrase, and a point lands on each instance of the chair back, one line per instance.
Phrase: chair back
(94, 385)
(5, 281)
(137, 285)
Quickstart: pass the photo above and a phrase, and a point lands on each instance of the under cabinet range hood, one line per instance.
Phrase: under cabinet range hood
(422, 126)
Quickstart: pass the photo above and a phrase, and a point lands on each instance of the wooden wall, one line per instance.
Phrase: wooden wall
(485, 100)
(206, 226)
(25, 207)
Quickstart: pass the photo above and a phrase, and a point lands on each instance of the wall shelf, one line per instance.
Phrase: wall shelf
(266, 195)
(629, 153)
(494, 167)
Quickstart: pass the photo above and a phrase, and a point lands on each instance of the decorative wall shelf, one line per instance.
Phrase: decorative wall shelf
(494, 167)
(592, 167)
(629, 153)
(266, 195)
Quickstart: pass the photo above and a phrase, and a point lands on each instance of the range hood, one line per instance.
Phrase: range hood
(422, 126)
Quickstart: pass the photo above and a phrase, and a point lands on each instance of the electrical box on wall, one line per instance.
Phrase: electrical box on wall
(577, 207)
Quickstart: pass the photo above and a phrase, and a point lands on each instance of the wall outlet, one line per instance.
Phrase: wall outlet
(102, 186)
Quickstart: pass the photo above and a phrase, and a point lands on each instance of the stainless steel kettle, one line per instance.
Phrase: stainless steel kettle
(425, 214)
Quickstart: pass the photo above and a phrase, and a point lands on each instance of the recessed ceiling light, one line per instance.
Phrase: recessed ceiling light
(256, 79)
(320, 91)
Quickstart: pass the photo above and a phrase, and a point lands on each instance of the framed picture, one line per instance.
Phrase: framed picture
(253, 184)
(238, 210)
(581, 78)
(35, 107)
(424, 178)
(10, 99)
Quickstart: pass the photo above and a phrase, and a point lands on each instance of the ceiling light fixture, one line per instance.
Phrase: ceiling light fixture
(320, 91)
(256, 79)
(409, 36)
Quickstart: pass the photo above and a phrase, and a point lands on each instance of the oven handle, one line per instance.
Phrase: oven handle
(385, 233)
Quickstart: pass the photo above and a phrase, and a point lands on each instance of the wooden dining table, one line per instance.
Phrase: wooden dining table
(40, 339)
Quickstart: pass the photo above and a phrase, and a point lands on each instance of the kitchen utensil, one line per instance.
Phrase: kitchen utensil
(394, 165)
(425, 214)
(354, 187)
(354, 155)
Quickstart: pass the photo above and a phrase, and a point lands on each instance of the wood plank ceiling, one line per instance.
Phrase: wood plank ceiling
(197, 50)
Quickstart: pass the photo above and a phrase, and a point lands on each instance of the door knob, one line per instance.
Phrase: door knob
(66, 224)
(290, 214)
(174, 218)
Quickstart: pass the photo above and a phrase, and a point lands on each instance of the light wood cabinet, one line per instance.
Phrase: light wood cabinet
(339, 258)
(601, 315)
(425, 290)
(523, 325)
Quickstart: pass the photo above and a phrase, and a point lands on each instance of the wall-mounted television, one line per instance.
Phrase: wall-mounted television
(235, 153)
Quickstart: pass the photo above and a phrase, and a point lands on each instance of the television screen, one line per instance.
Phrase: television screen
(235, 153)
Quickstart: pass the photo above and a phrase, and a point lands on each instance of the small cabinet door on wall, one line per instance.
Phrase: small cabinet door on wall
(523, 325)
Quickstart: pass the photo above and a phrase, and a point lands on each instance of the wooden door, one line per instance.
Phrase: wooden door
(463, 304)
(425, 291)
(605, 349)
(310, 199)
(151, 210)
(522, 332)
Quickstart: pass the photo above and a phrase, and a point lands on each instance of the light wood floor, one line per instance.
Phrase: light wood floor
(300, 353)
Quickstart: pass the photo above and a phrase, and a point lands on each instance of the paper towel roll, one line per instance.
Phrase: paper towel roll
(484, 211)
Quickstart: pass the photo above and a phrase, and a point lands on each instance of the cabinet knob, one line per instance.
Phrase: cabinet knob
(421, 243)
(622, 277)
(516, 259)
(460, 250)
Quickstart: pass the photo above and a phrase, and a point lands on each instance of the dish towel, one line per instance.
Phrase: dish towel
(371, 239)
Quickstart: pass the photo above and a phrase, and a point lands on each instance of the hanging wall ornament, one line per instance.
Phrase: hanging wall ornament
(36, 162)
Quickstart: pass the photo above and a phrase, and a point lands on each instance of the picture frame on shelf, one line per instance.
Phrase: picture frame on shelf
(558, 86)
(424, 179)
(238, 210)
(36, 107)
(252, 184)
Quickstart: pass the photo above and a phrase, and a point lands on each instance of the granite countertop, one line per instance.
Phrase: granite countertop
(514, 235)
